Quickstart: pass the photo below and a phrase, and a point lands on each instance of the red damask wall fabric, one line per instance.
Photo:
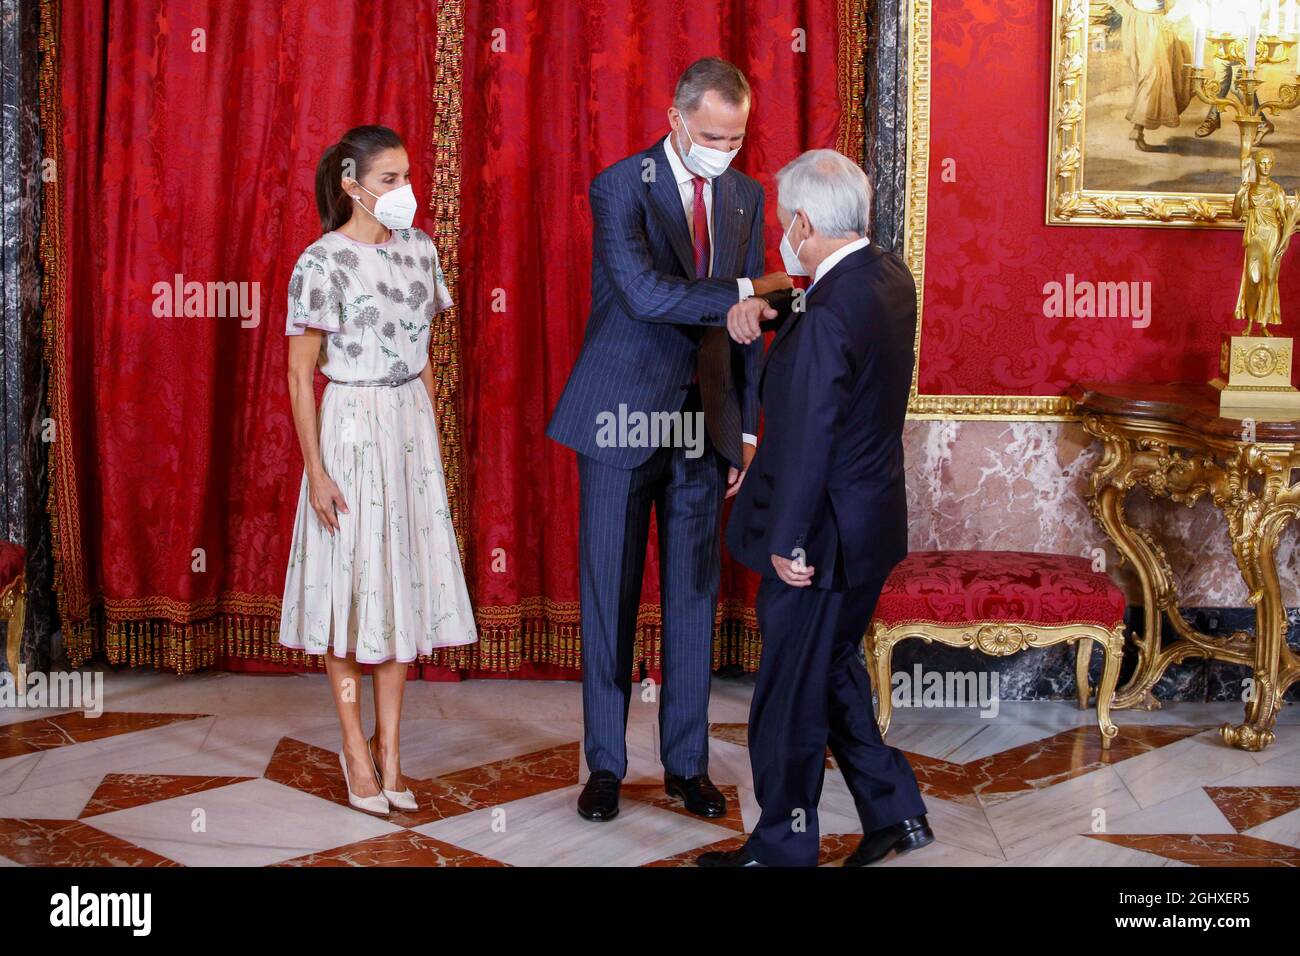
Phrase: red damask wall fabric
(989, 253)
(188, 135)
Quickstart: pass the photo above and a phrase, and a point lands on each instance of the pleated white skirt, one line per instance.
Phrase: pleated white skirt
(389, 584)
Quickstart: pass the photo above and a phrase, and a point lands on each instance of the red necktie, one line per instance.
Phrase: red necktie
(701, 230)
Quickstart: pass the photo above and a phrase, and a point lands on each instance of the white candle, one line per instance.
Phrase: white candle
(1274, 19)
(1252, 39)
(1290, 17)
(1198, 60)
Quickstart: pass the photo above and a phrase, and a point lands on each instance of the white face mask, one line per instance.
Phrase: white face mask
(395, 208)
(790, 255)
(705, 160)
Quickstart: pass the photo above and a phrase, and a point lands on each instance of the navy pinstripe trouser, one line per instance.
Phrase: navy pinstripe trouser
(686, 494)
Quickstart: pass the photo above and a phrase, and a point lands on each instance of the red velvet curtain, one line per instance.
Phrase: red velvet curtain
(186, 135)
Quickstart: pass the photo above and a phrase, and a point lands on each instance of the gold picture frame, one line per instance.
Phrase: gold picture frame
(937, 406)
(1071, 199)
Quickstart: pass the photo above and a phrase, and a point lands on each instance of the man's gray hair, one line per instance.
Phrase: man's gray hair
(832, 190)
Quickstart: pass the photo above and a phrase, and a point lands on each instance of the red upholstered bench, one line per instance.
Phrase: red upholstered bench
(1000, 602)
(13, 592)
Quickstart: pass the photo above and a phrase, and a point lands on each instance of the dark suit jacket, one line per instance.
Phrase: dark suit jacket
(648, 313)
(828, 475)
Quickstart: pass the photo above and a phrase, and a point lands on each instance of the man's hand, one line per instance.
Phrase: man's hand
(772, 282)
(743, 319)
(735, 476)
(794, 573)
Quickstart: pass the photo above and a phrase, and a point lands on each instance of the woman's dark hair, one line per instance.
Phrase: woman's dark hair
(359, 147)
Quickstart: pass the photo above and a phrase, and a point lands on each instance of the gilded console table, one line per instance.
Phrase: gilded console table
(1171, 441)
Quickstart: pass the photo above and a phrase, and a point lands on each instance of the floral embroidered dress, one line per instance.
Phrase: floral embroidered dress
(389, 584)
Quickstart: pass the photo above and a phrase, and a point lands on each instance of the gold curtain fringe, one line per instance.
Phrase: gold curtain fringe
(61, 501)
(185, 647)
(444, 203)
(737, 642)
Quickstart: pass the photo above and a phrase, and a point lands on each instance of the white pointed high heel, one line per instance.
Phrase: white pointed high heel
(402, 799)
(376, 805)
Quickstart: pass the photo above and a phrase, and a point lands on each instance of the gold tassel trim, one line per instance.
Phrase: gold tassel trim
(185, 647)
(851, 63)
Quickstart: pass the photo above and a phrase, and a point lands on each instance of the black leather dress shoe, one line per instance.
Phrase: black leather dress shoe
(699, 794)
(599, 798)
(911, 834)
(739, 857)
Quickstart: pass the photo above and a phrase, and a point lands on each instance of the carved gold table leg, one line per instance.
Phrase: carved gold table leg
(1149, 564)
(1256, 522)
(1251, 484)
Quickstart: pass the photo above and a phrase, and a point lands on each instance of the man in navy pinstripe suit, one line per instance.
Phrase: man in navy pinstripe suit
(662, 409)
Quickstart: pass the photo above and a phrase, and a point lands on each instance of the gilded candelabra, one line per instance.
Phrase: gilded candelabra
(1255, 369)
(1242, 101)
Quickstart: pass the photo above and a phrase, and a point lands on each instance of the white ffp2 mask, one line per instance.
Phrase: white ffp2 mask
(790, 255)
(705, 160)
(395, 208)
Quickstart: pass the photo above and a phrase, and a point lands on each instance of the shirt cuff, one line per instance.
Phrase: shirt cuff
(749, 439)
(746, 288)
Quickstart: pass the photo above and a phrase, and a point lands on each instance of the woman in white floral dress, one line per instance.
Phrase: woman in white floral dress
(374, 575)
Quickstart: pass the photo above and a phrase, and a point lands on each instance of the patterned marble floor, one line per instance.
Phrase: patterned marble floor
(224, 769)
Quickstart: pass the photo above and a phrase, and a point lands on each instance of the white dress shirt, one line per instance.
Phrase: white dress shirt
(686, 186)
(829, 263)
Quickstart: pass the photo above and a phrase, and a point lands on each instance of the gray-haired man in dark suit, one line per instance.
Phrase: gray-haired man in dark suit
(823, 518)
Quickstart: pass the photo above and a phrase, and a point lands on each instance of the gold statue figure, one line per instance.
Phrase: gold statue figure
(1270, 216)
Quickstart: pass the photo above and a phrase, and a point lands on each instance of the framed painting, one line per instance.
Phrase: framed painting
(1130, 143)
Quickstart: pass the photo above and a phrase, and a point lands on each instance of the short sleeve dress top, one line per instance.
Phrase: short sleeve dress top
(389, 585)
